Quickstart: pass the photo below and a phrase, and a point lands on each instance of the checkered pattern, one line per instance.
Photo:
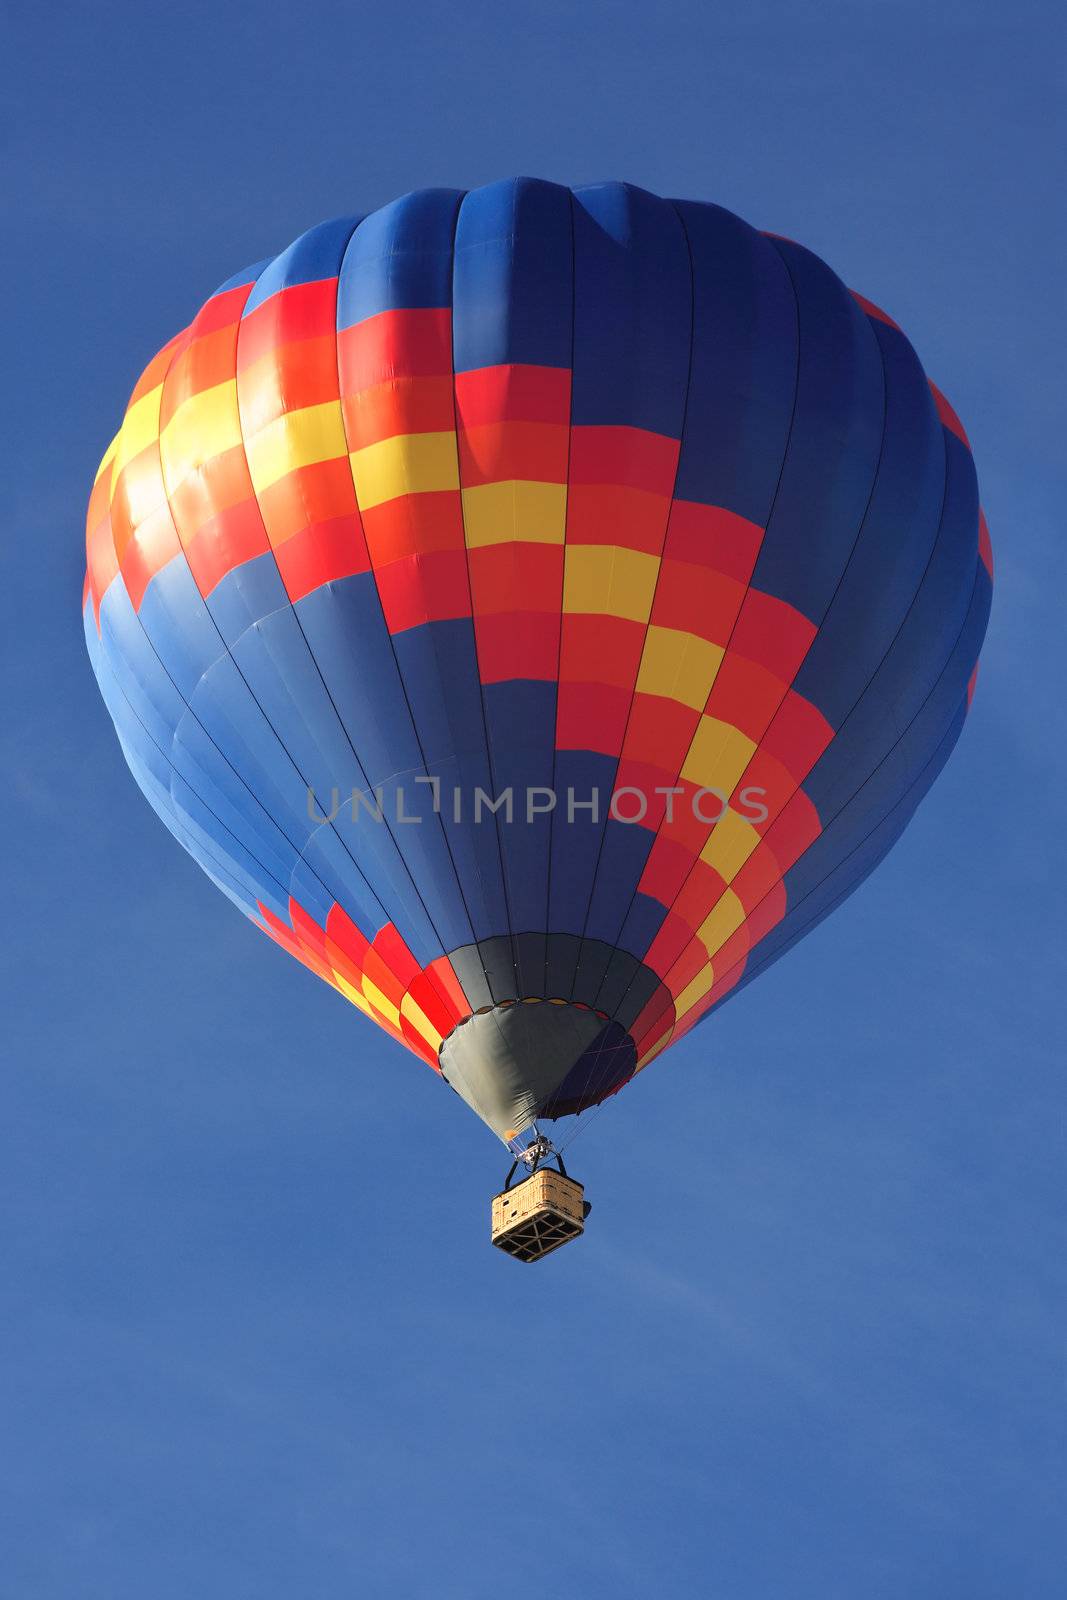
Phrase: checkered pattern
(533, 488)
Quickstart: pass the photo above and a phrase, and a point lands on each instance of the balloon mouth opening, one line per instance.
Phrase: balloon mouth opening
(533, 1058)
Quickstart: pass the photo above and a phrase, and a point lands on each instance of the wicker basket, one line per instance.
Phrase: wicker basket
(538, 1215)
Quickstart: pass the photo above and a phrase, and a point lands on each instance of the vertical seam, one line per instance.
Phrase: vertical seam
(396, 660)
(740, 608)
(886, 654)
(298, 850)
(300, 626)
(509, 932)
(741, 962)
(837, 587)
(562, 599)
(644, 644)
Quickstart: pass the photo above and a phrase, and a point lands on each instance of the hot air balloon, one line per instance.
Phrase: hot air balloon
(537, 609)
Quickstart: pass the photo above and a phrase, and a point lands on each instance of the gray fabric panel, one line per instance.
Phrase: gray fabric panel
(593, 965)
(505, 1063)
(467, 965)
(626, 1008)
(498, 959)
(563, 952)
(531, 956)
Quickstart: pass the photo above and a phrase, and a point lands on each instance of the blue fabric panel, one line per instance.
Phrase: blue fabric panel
(366, 872)
(244, 596)
(162, 715)
(632, 310)
(633, 294)
(395, 260)
(239, 279)
(324, 860)
(512, 281)
(643, 921)
(275, 663)
(219, 844)
(575, 845)
(520, 717)
(623, 855)
(439, 670)
(157, 779)
(891, 554)
(919, 649)
(744, 370)
(345, 628)
(224, 710)
(834, 444)
(402, 257)
(513, 303)
(821, 900)
(875, 795)
(738, 413)
(226, 741)
(179, 625)
(143, 678)
(199, 763)
(315, 256)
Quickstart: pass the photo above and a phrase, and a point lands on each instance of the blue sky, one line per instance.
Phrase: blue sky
(253, 1341)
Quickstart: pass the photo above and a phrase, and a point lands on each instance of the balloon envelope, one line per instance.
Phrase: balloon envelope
(536, 610)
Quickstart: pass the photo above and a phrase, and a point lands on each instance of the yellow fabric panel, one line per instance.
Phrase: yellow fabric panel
(410, 1009)
(140, 428)
(609, 580)
(725, 918)
(108, 457)
(353, 994)
(204, 426)
(380, 1002)
(517, 509)
(296, 439)
(650, 1055)
(731, 843)
(694, 991)
(678, 666)
(717, 757)
(409, 463)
